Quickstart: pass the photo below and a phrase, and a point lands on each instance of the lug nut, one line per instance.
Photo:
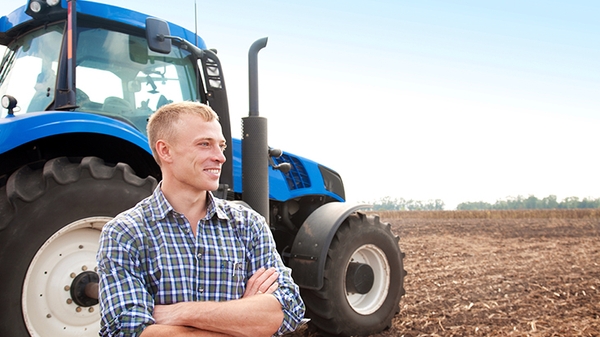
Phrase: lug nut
(91, 309)
(69, 301)
(73, 275)
(67, 288)
(78, 309)
(84, 268)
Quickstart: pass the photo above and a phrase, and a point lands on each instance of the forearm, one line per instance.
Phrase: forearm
(161, 330)
(259, 315)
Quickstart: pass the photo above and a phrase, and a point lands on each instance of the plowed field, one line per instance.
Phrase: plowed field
(498, 274)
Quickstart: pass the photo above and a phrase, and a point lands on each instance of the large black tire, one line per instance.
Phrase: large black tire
(368, 304)
(50, 223)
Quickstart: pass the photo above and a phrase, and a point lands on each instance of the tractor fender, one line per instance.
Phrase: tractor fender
(309, 251)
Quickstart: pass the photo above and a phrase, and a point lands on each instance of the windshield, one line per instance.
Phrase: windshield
(118, 76)
(28, 70)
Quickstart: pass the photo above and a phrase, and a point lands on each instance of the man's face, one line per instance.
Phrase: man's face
(197, 153)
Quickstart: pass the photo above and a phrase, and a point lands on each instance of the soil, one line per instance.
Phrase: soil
(497, 277)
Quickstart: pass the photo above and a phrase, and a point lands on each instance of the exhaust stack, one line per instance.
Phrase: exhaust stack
(255, 148)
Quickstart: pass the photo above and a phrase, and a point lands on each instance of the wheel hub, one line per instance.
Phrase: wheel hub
(83, 287)
(359, 278)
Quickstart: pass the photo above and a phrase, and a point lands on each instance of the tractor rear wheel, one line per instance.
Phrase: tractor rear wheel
(51, 221)
(363, 280)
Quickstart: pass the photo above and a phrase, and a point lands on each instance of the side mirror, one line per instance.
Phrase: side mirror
(157, 31)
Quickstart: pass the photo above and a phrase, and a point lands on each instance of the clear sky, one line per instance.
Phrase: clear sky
(453, 100)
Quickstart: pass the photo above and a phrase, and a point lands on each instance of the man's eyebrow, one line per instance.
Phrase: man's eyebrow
(211, 139)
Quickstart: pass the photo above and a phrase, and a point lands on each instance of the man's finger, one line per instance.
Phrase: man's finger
(268, 283)
(261, 282)
(272, 288)
(254, 281)
(261, 276)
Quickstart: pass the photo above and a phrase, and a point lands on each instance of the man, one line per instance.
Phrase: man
(184, 263)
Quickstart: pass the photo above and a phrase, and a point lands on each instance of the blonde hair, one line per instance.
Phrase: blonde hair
(162, 124)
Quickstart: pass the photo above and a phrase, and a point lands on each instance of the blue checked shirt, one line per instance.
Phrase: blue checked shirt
(149, 255)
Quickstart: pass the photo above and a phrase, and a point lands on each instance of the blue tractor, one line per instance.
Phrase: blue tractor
(78, 81)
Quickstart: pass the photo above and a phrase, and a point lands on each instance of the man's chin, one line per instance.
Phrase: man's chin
(213, 188)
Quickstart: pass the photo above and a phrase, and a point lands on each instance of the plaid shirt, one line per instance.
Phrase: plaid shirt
(148, 255)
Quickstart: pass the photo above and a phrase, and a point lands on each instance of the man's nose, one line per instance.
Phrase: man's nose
(220, 156)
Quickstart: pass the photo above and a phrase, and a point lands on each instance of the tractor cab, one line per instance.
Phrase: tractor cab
(116, 74)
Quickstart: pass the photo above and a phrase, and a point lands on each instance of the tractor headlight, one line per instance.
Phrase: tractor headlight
(35, 6)
(39, 8)
(333, 181)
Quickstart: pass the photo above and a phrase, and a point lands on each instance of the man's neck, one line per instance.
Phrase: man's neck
(192, 204)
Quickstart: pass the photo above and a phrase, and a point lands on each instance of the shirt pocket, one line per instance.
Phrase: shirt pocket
(234, 272)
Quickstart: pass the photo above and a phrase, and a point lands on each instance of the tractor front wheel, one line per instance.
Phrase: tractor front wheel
(363, 280)
(52, 215)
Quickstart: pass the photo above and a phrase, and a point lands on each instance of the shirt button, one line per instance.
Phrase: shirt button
(201, 289)
(199, 255)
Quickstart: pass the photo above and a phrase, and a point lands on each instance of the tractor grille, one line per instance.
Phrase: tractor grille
(297, 177)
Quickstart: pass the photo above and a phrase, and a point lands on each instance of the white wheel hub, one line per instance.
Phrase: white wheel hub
(48, 308)
(368, 303)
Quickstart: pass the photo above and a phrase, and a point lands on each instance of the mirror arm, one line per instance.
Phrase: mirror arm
(197, 51)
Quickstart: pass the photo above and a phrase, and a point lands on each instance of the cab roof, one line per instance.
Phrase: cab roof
(13, 24)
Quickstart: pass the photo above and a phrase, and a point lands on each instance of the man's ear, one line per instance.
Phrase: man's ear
(163, 150)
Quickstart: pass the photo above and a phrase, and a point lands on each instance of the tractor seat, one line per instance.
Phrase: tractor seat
(117, 105)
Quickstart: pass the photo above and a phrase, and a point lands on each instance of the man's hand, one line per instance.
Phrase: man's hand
(262, 282)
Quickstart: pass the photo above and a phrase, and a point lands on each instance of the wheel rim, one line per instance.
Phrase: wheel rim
(48, 309)
(368, 303)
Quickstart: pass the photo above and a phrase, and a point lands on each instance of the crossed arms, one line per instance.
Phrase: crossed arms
(257, 313)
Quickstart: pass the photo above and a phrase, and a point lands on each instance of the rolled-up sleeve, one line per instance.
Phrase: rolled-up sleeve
(126, 307)
(288, 292)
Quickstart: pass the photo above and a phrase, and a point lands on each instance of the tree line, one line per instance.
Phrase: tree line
(532, 202)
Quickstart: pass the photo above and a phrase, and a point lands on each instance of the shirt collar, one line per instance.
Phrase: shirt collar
(214, 207)
(163, 207)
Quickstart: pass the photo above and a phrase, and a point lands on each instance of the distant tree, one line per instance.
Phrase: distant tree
(517, 202)
(471, 206)
(569, 203)
(532, 203)
(549, 202)
(400, 204)
(589, 203)
(438, 205)
(429, 205)
(389, 204)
